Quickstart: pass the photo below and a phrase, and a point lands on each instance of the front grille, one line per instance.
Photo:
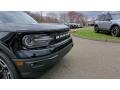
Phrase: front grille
(59, 37)
(62, 46)
(61, 40)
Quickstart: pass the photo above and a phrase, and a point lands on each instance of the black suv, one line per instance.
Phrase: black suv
(27, 48)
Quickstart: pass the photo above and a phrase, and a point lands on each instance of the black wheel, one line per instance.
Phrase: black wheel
(115, 31)
(7, 68)
(96, 28)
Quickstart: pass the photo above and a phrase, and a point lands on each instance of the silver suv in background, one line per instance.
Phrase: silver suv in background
(109, 22)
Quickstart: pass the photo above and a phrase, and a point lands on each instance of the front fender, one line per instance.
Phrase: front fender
(7, 51)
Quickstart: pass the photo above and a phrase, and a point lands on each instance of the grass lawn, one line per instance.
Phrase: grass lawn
(88, 32)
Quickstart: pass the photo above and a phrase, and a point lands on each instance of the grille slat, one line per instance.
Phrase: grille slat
(63, 37)
(59, 37)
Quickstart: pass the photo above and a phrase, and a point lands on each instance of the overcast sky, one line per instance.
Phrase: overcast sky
(90, 14)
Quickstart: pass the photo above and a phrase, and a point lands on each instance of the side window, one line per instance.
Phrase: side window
(108, 17)
(102, 18)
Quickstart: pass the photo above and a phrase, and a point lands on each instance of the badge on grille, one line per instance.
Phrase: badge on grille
(61, 36)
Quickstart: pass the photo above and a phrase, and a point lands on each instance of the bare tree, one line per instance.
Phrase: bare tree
(63, 17)
(35, 15)
(52, 17)
(49, 18)
(77, 17)
(60, 17)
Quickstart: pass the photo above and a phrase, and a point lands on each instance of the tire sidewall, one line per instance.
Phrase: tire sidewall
(117, 31)
(96, 29)
(10, 65)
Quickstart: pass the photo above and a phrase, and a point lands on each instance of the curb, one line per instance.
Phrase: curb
(112, 41)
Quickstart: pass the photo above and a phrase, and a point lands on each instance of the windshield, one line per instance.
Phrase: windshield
(16, 17)
(115, 16)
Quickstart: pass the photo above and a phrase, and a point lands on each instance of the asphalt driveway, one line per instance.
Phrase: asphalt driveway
(88, 59)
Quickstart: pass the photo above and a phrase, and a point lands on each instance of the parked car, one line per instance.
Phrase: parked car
(27, 47)
(67, 24)
(73, 25)
(109, 22)
(79, 25)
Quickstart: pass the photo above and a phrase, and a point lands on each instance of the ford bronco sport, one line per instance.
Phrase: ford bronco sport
(27, 47)
(109, 22)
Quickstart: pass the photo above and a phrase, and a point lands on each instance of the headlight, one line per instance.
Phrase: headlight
(37, 40)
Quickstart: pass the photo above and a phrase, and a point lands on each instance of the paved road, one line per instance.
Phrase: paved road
(88, 59)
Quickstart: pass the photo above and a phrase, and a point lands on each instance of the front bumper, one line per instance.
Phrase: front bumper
(33, 67)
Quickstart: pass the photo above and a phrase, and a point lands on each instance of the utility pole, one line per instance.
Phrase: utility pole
(41, 15)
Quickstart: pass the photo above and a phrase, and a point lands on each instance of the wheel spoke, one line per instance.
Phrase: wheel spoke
(114, 31)
(4, 70)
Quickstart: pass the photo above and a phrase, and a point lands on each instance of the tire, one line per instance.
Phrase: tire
(115, 31)
(96, 29)
(7, 68)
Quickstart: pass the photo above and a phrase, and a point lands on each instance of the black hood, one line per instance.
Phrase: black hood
(32, 27)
